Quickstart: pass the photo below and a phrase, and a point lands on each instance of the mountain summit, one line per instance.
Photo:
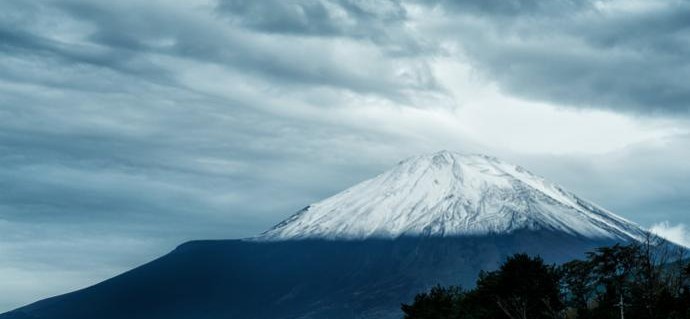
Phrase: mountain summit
(452, 194)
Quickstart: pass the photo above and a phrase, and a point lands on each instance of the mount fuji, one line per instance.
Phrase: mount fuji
(450, 194)
(432, 219)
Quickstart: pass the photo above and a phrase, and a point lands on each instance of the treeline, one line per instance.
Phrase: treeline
(647, 280)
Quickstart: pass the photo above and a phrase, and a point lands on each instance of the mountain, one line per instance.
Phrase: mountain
(451, 194)
(432, 219)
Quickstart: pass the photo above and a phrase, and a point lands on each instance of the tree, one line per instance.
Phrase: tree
(645, 280)
(613, 269)
(577, 280)
(684, 298)
(523, 287)
(641, 280)
(656, 278)
(438, 303)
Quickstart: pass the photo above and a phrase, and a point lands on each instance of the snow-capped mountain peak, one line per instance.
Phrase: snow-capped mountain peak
(451, 194)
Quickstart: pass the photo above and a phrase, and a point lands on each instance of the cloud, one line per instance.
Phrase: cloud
(675, 233)
(645, 182)
(319, 18)
(616, 55)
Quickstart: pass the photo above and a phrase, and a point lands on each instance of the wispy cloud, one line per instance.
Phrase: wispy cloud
(677, 233)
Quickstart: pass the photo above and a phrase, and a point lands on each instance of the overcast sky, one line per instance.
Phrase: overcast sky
(129, 127)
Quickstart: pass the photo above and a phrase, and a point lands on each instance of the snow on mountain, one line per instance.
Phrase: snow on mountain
(452, 194)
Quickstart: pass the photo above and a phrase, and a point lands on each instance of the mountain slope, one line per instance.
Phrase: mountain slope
(450, 194)
(432, 219)
(298, 278)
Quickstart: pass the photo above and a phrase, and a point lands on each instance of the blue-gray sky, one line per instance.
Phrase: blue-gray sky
(128, 127)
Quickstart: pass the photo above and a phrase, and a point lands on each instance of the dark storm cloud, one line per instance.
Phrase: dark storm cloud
(18, 38)
(614, 55)
(606, 54)
(323, 18)
(125, 39)
(507, 8)
(382, 21)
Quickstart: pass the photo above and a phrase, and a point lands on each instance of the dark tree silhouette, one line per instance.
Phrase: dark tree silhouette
(578, 280)
(438, 303)
(647, 280)
(523, 287)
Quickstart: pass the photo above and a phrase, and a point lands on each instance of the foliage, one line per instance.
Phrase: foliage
(438, 303)
(523, 287)
(648, 280)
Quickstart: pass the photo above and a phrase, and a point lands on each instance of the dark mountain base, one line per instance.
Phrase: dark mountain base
(297, 279)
